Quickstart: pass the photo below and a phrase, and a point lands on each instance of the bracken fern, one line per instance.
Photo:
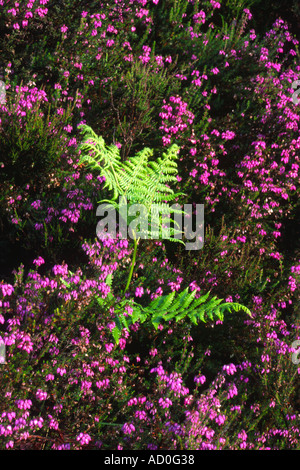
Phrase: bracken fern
(146, 182)
(137, 180)
(173, 306)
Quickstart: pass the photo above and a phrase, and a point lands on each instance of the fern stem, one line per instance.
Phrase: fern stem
(132, 263)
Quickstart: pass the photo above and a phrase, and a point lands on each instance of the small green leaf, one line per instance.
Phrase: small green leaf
(65, 283)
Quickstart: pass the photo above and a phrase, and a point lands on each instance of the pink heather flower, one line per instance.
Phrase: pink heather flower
(24, 404)
(247, 11)
(220, 419)
(86, 385)
(7, 289)
(232, 392)
(128, 428)
(228, 135)
(53, 423)
(242, 435)
(12, 11)
(49, 377)
(64, 28)
(165, 403)
(109, 347)
(60, 269)
(39, 261)
(199, 17)
(215, 4)
(61, 371)
(230, 369)
(41, 395)
(139, 291)
(103, 383)
(83, 438)
(292, 284)
(153, 352)
(159, 60)
(201, 379)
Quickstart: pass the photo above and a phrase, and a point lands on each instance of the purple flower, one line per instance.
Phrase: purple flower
(39, 261)
(36, 422)
(201, 379)
(139, 291)
(49, 377)
(128, 428)
(220, 419)
(242, 435)
(41, 395)
(7, 289)
(36, 204)
(230, 369)
(83, 438)
(165, 403)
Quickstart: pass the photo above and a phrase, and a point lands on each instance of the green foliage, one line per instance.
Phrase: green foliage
(63, 326)
(137, 180)
(30, 148)
(133, 101)
(178, 306)
(166, 308)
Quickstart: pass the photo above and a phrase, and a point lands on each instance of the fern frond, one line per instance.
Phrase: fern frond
(106, 159)
(176, 307)
(138, 180)
(135, 171)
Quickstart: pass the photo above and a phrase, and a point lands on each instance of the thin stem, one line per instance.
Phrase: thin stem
(132, 263)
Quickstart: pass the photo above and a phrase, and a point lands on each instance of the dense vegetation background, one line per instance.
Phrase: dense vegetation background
(214, 78)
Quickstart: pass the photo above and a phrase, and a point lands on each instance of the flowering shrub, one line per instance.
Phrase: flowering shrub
(213, 79)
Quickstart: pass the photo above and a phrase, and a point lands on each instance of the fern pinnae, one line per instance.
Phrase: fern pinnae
(135, 170)
(180, 298)
(236, 307)
(162, 301)
(201, 299)
(109, 156)
(147, 182)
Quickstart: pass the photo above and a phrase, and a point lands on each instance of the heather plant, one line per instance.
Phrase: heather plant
(147, 183)
(260, 225)
(31, 135)
(55, 323)
(89, 366)
(69, 338)
(134, 99)
(38, 172)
